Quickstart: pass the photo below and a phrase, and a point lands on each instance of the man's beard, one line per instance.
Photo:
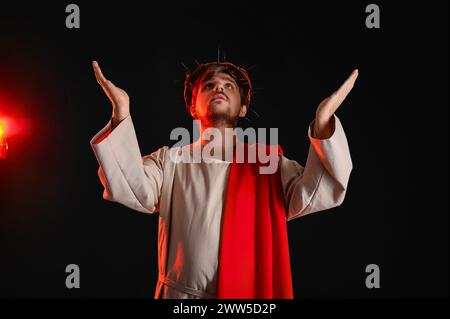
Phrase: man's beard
(222, 117)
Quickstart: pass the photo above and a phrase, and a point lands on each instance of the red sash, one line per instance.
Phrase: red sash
(254, 258)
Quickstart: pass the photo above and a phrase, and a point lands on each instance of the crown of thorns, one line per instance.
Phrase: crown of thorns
(239, 74)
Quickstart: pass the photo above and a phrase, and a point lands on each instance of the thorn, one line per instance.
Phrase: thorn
(187, 69)
(254, 112)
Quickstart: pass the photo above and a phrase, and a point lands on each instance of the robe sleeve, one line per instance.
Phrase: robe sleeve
(126, 176)
(322, 183)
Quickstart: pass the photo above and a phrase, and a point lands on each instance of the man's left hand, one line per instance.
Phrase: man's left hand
(322, 125)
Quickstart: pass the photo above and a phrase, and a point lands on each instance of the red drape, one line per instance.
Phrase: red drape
(254, 250)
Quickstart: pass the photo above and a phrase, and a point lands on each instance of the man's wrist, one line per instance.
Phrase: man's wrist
(323, 128)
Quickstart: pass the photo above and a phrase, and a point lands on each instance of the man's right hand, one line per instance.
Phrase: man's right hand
(119, 98)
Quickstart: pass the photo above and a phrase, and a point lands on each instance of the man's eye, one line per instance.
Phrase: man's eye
(208, 85)
(229, 85)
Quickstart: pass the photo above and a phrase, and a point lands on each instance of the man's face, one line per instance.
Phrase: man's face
(219, 99)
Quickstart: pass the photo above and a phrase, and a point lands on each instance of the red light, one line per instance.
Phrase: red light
(3, 143)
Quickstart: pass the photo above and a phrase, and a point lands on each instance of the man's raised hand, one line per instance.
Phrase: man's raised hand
(119, 98)
(327, 107)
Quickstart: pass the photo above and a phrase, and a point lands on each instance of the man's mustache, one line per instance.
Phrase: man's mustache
(219, 95)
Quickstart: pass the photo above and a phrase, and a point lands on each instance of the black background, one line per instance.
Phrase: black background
(395, 213)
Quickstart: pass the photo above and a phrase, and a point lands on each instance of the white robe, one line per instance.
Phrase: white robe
(190, 196)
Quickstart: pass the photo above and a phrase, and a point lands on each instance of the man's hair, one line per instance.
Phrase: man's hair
(206, 71)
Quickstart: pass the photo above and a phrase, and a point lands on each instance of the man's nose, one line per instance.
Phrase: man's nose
(219, 87)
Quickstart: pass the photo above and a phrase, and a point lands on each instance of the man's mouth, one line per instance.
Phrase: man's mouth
(219, 96)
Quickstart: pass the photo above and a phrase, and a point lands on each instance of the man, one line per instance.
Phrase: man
(222, 225)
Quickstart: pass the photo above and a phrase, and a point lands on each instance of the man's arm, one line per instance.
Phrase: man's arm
(127, 177)
(322, 183)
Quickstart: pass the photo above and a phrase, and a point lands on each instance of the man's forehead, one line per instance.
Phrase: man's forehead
(219, 76)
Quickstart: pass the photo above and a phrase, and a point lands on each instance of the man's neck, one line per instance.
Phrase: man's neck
(226, 134)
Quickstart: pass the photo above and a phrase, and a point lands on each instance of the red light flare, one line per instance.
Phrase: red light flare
(3, 143)
(12, 124)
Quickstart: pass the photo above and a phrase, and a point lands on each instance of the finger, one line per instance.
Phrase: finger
(97, 77)
(108, 87)
(348, 84)
(346, 87)
(98, 73)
